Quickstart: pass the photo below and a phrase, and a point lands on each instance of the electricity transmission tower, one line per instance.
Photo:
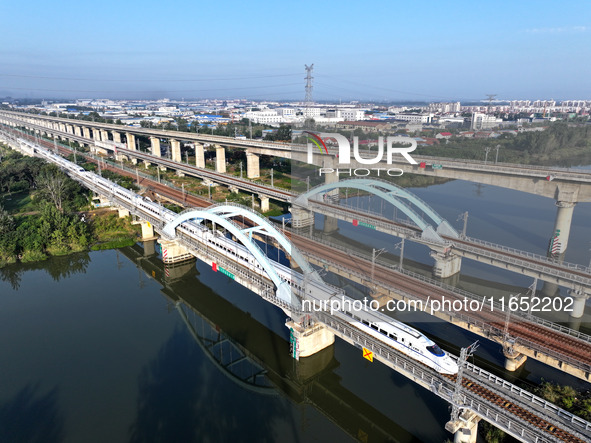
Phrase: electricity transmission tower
(491, 97)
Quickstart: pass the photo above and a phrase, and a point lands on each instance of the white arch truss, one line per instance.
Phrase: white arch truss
(392, 194)
(221, 214)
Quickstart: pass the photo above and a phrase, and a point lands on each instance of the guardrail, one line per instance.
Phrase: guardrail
(395, 268)
(442, 387)
(541, 258)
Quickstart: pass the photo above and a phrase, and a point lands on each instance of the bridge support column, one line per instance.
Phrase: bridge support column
(104, 135)
(96, 134)
(147, 230)
(130, 141)
(85, 132)
(564, 217)
(199, 155)
(116, 136)
(301, 218)
(175, 147)
(220, 159)
(264, 203)
(173, 252)
(77, 131)
(331, 224)
(155, 142)
(579, 298)
(308, 341)
(513, 360)
(147, 164)
(123, 212)
(465, 429)
(446, 263)
(252, 165)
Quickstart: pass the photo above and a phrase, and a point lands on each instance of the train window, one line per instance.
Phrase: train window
(375, 327)
(365, 322)
(435, 350)
(392, 336)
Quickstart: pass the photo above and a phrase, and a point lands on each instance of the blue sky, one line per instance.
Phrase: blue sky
(380, 50)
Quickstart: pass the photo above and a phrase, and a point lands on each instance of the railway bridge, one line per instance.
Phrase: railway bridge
(473, 393)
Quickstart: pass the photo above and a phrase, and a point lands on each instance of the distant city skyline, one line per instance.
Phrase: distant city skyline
(381, 51)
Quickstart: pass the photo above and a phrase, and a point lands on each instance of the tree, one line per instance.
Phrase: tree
(6, 222)
(283, 133)
(54, 185)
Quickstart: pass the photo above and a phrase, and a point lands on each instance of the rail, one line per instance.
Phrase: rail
(443, 387)
(461, 292)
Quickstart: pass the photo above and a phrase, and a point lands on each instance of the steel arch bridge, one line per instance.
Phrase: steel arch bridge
(222, 215)
(393, 194)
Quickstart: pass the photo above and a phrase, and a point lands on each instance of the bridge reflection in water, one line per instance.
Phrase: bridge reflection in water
(257, 359)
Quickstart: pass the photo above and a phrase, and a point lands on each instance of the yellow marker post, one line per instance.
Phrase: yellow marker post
(367, 354)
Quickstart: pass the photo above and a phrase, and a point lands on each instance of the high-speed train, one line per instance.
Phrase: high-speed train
(391, 332)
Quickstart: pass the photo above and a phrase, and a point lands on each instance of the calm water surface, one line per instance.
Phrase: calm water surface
(104, 347)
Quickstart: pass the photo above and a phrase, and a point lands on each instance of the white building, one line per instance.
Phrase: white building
(444, 108)
(415, 118)
(267, 117)
(351, 115)
(286, 113)
(311, 112)
(484, 121)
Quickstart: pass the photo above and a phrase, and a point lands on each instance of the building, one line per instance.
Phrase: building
(444, 108)
(484, 121)
(351, 114)
(415, 118)
(267, 116)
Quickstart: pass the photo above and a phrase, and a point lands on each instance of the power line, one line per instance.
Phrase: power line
(149, 80)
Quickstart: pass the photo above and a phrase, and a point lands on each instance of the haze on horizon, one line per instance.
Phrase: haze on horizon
(361, 51)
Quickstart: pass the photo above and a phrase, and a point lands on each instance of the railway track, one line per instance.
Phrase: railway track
(537, 334)
(469, 383)
(560, 343)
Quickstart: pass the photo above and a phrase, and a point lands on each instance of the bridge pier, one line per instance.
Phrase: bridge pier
(199, 155)
(85, 132)
(123, 212)
(331, 224)
(155, 143)
(580, 299)
(264, 203)
(173, 252)
(147, 230)
(104, 135)
(301, 218)
(306, 341)
(564, 217)
(147, 164)
(77, 131)
(513, 360)
(220, 159)
(130, 138)
(116, 136)
(252, 165)
(446, 262)
(96, 135)
(175, 147)
(465, 429)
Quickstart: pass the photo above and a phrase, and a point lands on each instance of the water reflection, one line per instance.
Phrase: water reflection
(182, 399)
(32, 416)
(57, 267)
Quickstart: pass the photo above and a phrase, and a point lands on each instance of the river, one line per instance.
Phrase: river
(105, 347)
